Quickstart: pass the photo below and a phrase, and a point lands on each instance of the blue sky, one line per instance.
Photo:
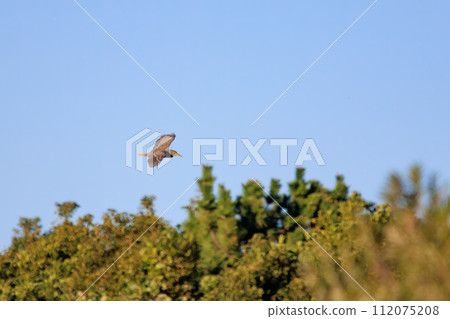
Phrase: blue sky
(70, 97)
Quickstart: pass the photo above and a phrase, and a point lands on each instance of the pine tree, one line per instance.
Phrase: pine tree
(214, 225)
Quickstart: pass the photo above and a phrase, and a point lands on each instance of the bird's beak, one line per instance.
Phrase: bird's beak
(176, 154)
(143, 154)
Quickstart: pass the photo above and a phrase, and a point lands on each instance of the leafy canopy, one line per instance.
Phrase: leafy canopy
(244, 247)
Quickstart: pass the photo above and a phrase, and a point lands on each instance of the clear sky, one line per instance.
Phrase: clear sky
(70, 97)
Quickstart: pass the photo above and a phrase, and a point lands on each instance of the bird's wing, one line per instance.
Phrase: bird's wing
(164, 142)
(155, 157)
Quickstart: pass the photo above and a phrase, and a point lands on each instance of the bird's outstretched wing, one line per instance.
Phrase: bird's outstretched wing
(155, 157)
(164, 142)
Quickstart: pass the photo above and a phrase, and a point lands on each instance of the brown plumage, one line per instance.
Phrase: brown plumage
(161, 150)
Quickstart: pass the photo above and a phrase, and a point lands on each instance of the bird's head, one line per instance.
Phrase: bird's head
(174, 153)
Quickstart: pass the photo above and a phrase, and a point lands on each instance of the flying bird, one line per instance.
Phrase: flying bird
(161, 150)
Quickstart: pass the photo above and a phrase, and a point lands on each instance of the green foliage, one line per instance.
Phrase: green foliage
(66, 210)
(252, 247)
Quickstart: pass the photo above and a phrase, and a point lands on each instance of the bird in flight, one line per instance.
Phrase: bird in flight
(161, 150)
